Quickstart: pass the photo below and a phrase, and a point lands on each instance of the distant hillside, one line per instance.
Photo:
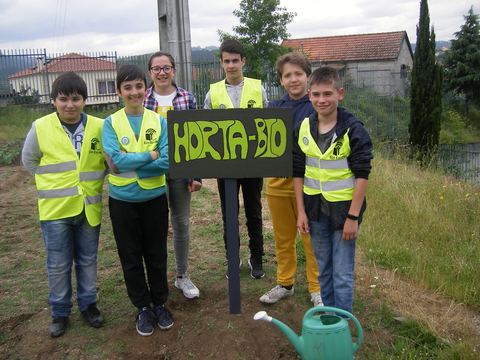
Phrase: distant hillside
(438, 44)
(202, 54)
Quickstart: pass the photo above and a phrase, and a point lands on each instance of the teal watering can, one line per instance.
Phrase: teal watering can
(324, 336)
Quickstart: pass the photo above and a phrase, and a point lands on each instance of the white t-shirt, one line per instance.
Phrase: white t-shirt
(165, 102)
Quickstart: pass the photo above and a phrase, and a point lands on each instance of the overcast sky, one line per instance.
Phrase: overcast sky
(63, 26)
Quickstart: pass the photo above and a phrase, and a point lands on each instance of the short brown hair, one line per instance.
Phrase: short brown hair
(68, 84)
(232, 46)
(294, 58)
(326, 75)
(128, 73)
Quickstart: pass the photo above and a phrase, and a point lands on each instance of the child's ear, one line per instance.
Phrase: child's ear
(341, 92)
(118, 92)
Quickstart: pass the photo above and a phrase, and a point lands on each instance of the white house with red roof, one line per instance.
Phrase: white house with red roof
(98, 73)
(379, 61)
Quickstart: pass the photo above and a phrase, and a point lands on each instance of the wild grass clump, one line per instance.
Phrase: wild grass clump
(15, 121)
(425, 226)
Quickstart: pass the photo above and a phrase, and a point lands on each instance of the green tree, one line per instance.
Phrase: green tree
(263, 26)
(426, 90)
(462, 63)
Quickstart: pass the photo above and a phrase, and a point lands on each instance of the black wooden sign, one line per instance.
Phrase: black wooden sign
(232, 143)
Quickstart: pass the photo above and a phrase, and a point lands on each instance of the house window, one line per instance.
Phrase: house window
(106, 87)
(403, 71)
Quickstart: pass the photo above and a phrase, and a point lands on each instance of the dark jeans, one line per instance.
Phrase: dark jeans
(140, 231)
(252, 202)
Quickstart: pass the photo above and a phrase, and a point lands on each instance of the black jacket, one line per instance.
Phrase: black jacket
(358, 161)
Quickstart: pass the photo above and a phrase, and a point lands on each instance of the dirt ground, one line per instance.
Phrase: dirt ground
(24, 335)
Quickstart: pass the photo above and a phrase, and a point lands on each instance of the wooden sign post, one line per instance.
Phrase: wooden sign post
(230, 144)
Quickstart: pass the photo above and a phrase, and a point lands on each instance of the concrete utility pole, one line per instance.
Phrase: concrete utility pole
(174, 30)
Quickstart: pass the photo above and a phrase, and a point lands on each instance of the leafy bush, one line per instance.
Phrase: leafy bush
(11, 151)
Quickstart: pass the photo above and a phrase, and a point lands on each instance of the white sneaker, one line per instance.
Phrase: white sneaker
(276, 294)
(184, 283)
(316, 299)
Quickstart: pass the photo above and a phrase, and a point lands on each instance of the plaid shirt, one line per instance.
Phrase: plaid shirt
(182, 101)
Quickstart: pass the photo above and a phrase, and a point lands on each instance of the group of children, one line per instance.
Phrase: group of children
(324, 200)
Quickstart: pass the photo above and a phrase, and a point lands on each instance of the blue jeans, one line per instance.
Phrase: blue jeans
(336, 262)
(66, 241)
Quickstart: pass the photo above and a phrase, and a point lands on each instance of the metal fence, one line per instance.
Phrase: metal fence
(462, 161)
(373, 96)
(26, 76)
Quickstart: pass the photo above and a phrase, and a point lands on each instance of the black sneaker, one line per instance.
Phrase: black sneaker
(164, 317)
(57, 326)
(256, 267)
(145, 321)
(93, 316)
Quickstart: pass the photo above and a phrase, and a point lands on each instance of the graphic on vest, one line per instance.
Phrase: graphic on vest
(94, 146)
(305, 140)
(251, 103)
(337, 148)
(150, 136)
(124, 140)
(222, 106)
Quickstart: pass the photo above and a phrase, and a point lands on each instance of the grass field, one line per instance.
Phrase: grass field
(418, 249)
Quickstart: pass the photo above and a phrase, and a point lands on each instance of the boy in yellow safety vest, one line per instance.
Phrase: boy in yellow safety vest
(237, 91)
(331, 163)
(64, 152)
(136, 148)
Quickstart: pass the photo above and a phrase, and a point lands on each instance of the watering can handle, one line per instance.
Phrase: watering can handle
(338, 311)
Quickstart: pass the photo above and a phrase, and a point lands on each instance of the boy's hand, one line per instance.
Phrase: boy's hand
(194, 186)
(302, 223)
(350, 229)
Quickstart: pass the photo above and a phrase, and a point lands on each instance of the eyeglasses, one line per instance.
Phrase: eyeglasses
(157, 70)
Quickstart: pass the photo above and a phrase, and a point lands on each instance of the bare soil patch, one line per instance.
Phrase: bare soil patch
(204, 328)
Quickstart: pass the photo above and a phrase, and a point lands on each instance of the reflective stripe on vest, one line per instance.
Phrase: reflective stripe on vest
(150, 132)
(66, 185)
(251, 95)
(329, 173)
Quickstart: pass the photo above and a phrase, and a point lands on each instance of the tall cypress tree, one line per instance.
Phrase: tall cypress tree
(426, 90)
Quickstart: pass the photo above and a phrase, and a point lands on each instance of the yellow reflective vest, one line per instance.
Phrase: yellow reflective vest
(150, 131)
(329, 173)
(251, 95)
(66, 184)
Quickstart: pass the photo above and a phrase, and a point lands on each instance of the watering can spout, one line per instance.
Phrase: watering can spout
(294, 339)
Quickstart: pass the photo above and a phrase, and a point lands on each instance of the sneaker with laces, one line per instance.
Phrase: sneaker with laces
(226, 264)
(190, 291)
(276, 294)
(164, 317)
(145, 321)
(316, 299)
(57, 326)
(93, 316)
(256, 268)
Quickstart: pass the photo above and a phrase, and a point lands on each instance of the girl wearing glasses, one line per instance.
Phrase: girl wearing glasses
(163, 95)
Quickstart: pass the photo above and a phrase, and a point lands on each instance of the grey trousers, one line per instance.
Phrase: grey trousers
(179, 203)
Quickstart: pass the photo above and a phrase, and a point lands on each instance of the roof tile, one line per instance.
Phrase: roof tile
(379, 46)
(70, 62)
